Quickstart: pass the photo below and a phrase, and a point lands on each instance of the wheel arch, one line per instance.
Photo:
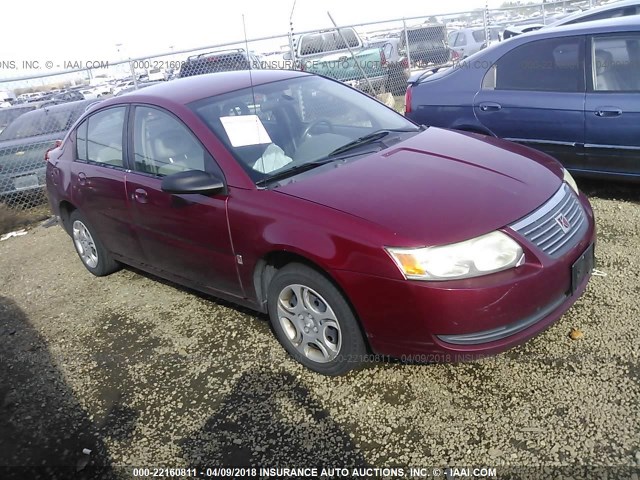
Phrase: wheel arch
(66, 208)
(267, 267)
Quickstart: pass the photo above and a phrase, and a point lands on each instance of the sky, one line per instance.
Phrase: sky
(109, 30)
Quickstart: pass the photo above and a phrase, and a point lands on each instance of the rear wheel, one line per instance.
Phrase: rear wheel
(314, 322)
(90, 249)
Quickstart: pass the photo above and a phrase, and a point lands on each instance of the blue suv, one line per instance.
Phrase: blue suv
(571, 91)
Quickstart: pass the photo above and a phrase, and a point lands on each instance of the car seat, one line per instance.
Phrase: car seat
(606, 78)
(176, 152)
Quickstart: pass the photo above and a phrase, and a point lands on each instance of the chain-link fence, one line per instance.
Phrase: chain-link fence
(377, 58)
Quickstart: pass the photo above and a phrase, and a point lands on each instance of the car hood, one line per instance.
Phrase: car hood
(437, 187)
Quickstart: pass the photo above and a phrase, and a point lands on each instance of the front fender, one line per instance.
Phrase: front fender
(264, 223)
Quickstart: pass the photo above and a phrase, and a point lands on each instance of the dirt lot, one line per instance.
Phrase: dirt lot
(146, 374)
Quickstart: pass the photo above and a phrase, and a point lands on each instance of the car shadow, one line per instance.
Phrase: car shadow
(270, 419)
(248, 312)
(43, 428)
(609, 190)
(192, 291)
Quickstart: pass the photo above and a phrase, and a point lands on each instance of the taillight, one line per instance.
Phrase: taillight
(383, 58)
(55, 145)
(455, 56)
(407, 100)
(404, 63)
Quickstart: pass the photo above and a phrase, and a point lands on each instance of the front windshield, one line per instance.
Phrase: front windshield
(290, 123)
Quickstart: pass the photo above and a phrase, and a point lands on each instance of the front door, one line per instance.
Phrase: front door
(613, 105)
(184, 235)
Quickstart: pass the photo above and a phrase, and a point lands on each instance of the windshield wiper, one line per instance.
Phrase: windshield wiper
(369, 138)
(294, 170)
(335, 155)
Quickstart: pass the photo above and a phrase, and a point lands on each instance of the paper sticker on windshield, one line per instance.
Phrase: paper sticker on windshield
(245, 130)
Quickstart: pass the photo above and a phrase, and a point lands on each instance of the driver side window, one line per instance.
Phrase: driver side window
(163, 145)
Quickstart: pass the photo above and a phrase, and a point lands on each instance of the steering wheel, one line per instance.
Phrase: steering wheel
(314, 124)
(235, 109)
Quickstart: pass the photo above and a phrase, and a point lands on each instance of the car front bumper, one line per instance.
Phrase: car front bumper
(467, 319)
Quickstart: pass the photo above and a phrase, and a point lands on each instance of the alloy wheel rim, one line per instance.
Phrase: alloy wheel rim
(309, 323)
(85, 244)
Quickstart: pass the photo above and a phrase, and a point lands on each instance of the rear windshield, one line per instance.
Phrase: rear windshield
(327, 42)
(433, 33)
(480, 35)
(215, 63)
(614, 13)
(8, 115)
(41, 122)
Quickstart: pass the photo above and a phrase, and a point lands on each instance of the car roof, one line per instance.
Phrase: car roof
(189, 89)
(595, 10)
(608, 25)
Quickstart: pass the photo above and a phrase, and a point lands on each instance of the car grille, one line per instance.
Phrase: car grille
(557, 226)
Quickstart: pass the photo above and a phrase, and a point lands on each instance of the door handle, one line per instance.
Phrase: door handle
(140, 195)
(490, 107)
(82, 178)
(608, 112)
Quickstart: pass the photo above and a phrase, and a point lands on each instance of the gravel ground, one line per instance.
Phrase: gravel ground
(144, 373)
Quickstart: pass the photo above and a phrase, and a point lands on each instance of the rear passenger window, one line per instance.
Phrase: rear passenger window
(552, 65)
(615, 63)
(99, 137)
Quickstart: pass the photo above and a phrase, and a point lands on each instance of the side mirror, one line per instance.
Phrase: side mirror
(192, 181)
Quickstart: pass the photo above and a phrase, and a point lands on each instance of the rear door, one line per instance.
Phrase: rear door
(535, 95)
(186, 236)
(98, 178)
(613, 104)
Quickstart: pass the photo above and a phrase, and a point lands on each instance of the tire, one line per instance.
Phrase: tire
(90, 249)
(321, 332)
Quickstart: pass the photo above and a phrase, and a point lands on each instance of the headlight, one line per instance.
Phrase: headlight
(566, 176)
(483, 255)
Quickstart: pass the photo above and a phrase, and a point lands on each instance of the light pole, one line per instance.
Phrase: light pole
(119, 68)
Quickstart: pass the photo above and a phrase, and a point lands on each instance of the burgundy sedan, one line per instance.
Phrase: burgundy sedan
(356, 230)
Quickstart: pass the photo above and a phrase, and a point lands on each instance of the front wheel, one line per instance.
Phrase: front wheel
(90, 249)
(314, 322)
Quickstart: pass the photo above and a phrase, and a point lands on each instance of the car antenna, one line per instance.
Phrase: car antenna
(253, 93)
